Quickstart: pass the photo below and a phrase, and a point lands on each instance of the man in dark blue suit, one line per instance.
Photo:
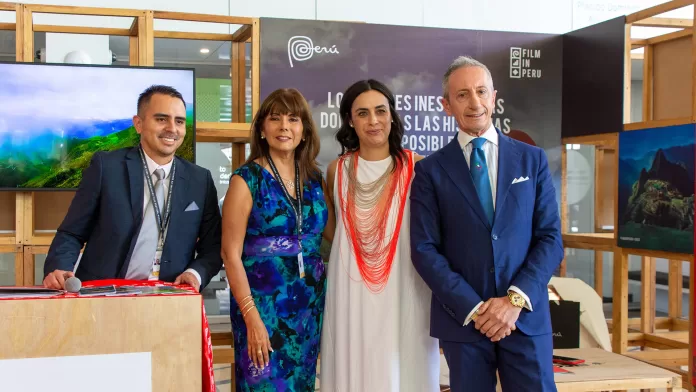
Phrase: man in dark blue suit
(144, 213)
(486, 238)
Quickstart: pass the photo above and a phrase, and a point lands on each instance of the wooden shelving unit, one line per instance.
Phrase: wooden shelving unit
(29, 219)
(669, 84)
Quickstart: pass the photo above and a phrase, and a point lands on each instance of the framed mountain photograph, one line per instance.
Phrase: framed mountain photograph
(656, 189)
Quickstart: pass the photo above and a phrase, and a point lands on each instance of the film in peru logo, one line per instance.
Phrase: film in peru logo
(521, 63)
(301, 48)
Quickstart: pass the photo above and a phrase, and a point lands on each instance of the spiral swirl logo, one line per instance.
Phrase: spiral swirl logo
(301, 48)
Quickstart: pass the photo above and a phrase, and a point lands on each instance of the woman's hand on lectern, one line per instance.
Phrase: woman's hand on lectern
(56, 279)
(258, 342)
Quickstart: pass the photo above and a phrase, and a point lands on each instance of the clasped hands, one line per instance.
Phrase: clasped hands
(496, 318)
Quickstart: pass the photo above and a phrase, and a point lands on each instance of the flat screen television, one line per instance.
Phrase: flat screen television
(54, 117)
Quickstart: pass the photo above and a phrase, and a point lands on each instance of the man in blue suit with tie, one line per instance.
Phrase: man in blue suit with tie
(144, 213)
(486, 238)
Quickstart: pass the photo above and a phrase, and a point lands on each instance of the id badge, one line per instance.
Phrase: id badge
(154, 274)
(300, 263)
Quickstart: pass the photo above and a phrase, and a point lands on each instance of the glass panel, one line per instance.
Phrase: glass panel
(81, 49)
(7, 269)
(216, 157)
(216, 296)
(8, 44)
(39, 261)
(212, 64)
(580, 188)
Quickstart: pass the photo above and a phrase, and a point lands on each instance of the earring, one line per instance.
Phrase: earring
(263, 137)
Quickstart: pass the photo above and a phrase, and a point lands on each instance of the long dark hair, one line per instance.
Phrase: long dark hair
(288, 101)
(347, 136)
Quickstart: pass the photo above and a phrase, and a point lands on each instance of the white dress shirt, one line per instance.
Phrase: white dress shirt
(490, 150)
(151, 167)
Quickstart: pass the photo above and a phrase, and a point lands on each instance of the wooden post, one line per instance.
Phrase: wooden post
(255, 66)
(648, 83)
(620, 302)
(29, 263)
(627, 74)
(675, 289)
(133, 42)
(647, 301)
(146, 44)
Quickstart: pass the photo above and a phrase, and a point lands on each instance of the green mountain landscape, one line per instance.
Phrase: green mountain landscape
(68, 173)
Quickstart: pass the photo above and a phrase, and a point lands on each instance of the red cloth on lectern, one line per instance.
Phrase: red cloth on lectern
(207, 368)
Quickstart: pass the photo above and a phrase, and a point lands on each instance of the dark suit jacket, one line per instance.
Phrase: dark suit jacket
(107, 212)
(463, 259)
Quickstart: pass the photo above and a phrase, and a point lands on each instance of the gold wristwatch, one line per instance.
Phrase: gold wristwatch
(516, 299)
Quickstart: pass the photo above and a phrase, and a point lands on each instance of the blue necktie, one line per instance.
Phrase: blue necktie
(479, 173)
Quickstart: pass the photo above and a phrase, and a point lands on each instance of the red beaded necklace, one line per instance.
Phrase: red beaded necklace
(366, 210)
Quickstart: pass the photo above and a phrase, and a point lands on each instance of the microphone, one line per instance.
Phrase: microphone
(73, 285)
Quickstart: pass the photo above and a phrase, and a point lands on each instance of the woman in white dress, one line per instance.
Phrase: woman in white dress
(375, 336)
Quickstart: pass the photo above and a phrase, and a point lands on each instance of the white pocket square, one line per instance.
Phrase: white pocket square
(192, 207)
(521, 179)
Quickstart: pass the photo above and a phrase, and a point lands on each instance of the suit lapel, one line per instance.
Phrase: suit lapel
(136, 182)
(457, 169)
(179, 193)
(508, 158)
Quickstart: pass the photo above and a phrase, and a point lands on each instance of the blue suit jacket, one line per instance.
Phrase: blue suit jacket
(107, 213)
(463, 259)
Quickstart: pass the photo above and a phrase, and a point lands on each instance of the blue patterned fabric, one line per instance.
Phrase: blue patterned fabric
(290, 307)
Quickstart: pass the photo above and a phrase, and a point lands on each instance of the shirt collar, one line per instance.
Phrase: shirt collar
(491, 135)
(152, 166)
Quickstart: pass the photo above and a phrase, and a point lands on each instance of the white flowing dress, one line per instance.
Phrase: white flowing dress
(376, 342)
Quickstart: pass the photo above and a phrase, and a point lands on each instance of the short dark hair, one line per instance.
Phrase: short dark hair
(347, 137)
(146, 95)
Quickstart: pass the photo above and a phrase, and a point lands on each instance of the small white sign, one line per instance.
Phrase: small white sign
(85, 373)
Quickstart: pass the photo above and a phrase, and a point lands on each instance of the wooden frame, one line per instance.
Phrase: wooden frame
(599, 240)
(141, 39)
(665, 341)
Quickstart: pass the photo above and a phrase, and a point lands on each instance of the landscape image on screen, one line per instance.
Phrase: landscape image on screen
(53, 118)
(656, 189)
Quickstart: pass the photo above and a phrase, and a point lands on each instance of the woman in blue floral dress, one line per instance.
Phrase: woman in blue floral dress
(272, 259)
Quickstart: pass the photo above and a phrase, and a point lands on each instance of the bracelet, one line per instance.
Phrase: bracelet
(249, 303)
(245, 298)
(245, 313)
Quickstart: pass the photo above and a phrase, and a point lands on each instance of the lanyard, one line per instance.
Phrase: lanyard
(297, 210)
(162, 222)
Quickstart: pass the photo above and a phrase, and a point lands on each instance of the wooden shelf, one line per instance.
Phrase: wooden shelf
(593, 241)
(30, 218)
(659, 254)
(5, 6)
(223, 132)
(8, 239)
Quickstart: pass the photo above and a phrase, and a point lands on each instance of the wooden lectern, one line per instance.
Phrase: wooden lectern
(166, 330)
